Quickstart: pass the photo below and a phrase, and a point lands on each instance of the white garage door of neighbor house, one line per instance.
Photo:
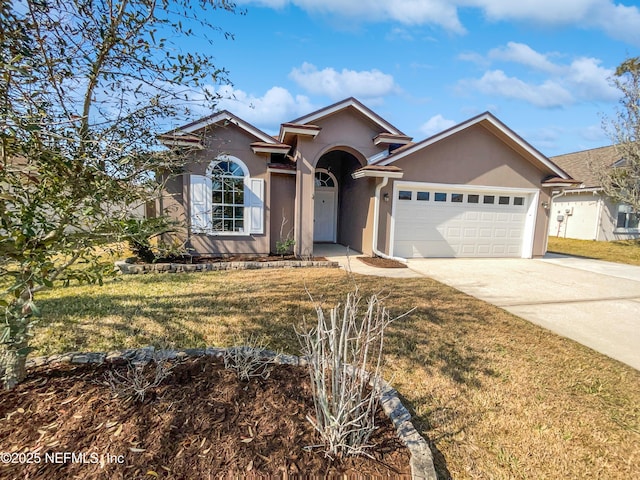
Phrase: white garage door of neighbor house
(436, 221)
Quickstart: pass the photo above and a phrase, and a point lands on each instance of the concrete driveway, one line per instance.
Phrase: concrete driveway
(594, 303)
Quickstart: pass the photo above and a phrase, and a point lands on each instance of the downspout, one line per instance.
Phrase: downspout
(551, 199)
(376, 215)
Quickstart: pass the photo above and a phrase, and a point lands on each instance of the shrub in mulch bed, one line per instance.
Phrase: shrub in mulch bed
(201, 422)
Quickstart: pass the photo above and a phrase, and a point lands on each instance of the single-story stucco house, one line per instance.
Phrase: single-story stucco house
(344, 174)
(583, 211)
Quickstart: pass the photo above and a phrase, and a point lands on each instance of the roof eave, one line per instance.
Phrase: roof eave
(389, 139)
(376, 174)
(267, 149)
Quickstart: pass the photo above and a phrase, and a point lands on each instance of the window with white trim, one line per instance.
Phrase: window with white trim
(227, 201)
(227, 206)
(627, 218)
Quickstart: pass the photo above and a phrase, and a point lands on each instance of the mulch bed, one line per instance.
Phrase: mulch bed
(382, 262)
(201, 422)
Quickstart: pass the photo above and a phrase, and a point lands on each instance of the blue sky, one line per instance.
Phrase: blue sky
(541, 66)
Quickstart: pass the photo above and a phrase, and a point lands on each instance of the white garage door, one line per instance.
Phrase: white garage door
(436, 221)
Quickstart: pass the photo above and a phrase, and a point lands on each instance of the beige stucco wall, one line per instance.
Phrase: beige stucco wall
(355, 228)
(233, 141)
(472, 157)
(281, 206)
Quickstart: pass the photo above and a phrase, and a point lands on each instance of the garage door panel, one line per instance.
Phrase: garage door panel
(458, 229)
(454, 232)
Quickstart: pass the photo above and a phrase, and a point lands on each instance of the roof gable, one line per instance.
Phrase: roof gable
(344, 104)
(223, 116)
(493, 125)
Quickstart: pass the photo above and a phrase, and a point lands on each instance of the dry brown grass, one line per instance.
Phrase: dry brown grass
(497, 396)
(622, 251)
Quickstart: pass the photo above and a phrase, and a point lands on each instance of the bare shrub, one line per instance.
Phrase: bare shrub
(138, 379)
(249, 360)
(340, 350)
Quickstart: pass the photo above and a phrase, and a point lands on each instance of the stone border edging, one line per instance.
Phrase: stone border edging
(421, 462)
(142, 268)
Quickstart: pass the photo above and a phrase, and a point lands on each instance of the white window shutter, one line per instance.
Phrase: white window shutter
(254, 202)
(200, 202)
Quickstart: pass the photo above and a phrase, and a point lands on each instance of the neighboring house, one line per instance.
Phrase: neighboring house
(584, 212)
(344, 174)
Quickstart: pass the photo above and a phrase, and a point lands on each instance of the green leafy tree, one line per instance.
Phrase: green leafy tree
(83, 86)
(622, 182)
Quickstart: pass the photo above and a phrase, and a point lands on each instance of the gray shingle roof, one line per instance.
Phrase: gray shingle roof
(583, 165)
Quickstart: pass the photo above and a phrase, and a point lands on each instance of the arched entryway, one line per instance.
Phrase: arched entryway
(340, 202)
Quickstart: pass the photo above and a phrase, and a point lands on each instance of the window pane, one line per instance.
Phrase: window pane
(503, 200)
(217, 212)
(440, 197)
(423, 195)
(238, 212)
(227, 198)
(239, 226)
(489, 199)
(217, 226)
(632, 221)
(404, 195)
(323, 179)
(228, 225)
(473, 198)
(217, 196)
(622, 220)
(518, 200)
(238, 197)
(456, 197)
(235, 169)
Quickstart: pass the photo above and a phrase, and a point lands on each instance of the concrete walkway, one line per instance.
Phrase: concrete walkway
(348, 260)
(592, 302)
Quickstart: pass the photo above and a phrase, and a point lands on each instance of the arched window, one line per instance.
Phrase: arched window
(227, 205)
(324, 179)
(227, 201)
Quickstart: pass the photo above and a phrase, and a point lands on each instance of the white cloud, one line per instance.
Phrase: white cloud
(525, 55)
(336, 85)
(436, 124)
(584, 79)
(277, 105)
(589, 80)
(615, 19)
(548, 94)
(442, 13)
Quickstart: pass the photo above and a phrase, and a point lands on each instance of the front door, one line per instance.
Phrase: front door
(324, 218)
(325, 207)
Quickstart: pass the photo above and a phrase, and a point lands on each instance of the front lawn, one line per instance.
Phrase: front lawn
(622, 251)
(497, 396)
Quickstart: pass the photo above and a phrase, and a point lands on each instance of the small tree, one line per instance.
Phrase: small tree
(83, 85)
(622, 182)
